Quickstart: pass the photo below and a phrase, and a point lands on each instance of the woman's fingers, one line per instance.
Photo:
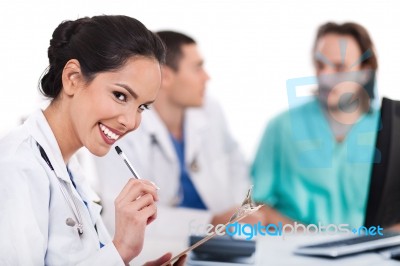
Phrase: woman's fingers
(143, 209)
(164, 258)
(151, 183)
(135, 204)
(136, 188)
(141, 203)
(135, 207)
(180, 261)
(150, 212)
(146, 207)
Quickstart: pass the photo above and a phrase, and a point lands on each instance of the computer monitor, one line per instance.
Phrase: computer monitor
(383, 206)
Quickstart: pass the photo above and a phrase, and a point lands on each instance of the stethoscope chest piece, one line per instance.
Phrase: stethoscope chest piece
(194, 166)
(71, 222)
(67, 194)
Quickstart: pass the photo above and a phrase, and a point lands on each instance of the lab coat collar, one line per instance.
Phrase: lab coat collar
(87, 194)
(195, 122)
(85, 191)
(195, 126)
(155, 127)
(40, 130)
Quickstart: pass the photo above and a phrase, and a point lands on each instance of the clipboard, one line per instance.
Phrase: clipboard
(205, 239)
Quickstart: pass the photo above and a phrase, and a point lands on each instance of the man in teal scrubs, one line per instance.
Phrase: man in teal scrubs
(314, 161)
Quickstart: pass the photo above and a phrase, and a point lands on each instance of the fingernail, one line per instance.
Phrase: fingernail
(155, 185)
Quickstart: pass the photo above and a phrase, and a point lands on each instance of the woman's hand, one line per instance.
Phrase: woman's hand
(135, 208)
(166, 257)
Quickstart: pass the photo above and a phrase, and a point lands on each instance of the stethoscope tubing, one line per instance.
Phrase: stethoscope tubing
(67, 193)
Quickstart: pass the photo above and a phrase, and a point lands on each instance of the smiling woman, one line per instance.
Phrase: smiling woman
(107, 107)
(103, 72)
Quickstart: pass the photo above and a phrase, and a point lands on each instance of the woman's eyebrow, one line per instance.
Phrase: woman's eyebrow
(126, 87)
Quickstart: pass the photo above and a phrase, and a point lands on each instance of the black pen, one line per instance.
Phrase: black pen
(130, 166)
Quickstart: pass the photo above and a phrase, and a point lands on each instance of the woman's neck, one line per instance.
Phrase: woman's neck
(61, 126)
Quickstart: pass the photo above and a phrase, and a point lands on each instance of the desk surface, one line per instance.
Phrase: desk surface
(270, 251)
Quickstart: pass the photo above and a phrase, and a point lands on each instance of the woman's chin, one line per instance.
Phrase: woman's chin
(100, 151)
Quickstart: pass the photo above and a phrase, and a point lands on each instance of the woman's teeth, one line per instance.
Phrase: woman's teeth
(108, 133)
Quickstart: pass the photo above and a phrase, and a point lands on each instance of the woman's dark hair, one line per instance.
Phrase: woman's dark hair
(101, 43)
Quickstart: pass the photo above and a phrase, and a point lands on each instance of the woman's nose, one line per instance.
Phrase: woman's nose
(206, 76)
(130, 120)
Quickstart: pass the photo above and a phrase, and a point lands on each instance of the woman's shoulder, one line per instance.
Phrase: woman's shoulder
(15, 141)
(18, 154)
(24, 184)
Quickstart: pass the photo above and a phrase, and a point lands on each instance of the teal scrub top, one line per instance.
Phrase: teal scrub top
(305, 174)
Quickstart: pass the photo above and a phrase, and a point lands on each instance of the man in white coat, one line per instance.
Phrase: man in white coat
(184, 146)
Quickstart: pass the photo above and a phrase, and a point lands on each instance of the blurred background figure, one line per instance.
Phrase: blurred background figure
(184, 146)
(314, 161)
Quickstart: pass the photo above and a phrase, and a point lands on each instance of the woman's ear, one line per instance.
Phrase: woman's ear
(71, 77)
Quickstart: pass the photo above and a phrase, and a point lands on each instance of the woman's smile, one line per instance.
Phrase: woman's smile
(109, 135)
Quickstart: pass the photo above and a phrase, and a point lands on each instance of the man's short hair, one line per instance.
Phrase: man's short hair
(174, 42)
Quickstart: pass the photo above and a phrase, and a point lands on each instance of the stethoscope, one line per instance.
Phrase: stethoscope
(67, 193)
(193, 167)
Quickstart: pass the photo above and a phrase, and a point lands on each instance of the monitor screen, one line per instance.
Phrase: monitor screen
(383, 206)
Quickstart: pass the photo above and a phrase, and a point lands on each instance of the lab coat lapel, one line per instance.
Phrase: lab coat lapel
(87, 194)
(194, 127)
(153, 126)
(42, 133)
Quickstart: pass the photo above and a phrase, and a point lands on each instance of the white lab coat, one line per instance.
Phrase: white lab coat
(33, 210)
(215, 164)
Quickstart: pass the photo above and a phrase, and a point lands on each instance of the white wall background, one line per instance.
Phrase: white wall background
(251, 48)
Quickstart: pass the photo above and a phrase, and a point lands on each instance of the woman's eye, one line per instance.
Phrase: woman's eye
(120, 96)
(144, 107)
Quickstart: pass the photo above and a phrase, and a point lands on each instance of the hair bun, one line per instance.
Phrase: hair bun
(99, 44)
(64, 32)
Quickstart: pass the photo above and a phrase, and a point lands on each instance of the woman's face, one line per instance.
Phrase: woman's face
(110, 106)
